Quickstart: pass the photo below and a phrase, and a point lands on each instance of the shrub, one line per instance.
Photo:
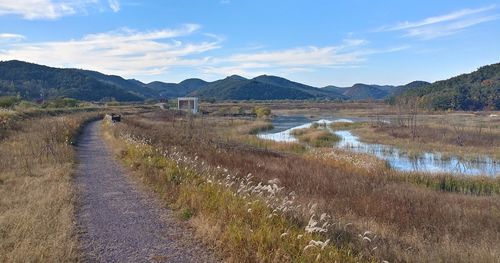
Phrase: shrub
(62, 103)
(261, 111)
(9, 101)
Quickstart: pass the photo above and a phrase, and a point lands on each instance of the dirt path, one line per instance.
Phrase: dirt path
(119, 222)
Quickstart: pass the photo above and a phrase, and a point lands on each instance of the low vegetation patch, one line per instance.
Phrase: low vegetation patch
(347, 125)
(315, 137)
(255, 127)
(475, 185)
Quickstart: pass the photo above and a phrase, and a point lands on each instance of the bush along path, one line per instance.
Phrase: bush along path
(117, 221)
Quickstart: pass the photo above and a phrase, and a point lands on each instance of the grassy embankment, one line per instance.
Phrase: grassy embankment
(366, 211)
(36, 163)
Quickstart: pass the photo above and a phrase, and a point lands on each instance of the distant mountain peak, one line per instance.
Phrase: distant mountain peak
(236, 77)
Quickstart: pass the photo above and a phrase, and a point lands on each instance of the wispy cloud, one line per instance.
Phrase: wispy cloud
(132, 53)
(114, 5)
(11, 37)
(52, 9)
(123, 52)
(350, 52)
(278, 61)
(444, 25)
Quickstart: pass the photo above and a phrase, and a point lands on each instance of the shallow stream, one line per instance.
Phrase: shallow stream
(432, 162)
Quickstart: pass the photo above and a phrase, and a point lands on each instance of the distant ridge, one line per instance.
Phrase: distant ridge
(362, 91)
(477, 90)
(262, 88)
(32, 81)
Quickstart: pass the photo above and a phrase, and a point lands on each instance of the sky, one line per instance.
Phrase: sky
(317, 42)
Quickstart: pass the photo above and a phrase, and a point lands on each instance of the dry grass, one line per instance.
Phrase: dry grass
(254, 127)
(36, 207)
(244, 131)
(242, 226)
(409, 223)
(461, 141)
(315, 137)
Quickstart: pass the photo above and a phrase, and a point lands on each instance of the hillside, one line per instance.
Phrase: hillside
(474, 91)
(239, 88)
(363, 91)
(262, 88)
(168, 90)
(132, 85)
(32, 81)
(398, 90)
(316, 92)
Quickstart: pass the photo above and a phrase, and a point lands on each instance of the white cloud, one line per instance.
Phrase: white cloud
(148, 54)
(448, 24)
(11, 37)
(123, 52)
(350, 52)
(51, 9)
(114, 5)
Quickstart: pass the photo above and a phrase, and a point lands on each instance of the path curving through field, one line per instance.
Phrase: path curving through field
(118, 221)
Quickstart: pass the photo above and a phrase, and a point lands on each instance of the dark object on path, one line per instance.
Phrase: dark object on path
(116, 117)
(113, 117)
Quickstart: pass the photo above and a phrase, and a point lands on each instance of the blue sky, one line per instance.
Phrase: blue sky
(315, 42)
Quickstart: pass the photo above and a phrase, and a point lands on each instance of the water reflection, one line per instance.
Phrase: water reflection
(399, 160)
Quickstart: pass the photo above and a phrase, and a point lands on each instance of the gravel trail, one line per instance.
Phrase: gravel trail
(120, 222)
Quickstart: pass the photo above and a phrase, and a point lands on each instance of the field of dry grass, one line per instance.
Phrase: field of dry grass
(240, 217)
(36, 207)
(372, 214)
(464, 135)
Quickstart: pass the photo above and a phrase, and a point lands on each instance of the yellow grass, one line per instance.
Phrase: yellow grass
(36, 207)
(407, 222)
(315, 137)
(243, 228)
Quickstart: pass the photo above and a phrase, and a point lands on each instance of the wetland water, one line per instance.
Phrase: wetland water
(400, 160)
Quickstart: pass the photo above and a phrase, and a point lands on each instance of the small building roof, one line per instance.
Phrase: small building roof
(187, 98)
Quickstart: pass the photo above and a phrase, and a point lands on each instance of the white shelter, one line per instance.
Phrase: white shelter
(188, 104)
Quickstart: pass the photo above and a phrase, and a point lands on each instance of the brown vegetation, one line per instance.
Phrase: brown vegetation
(315, 137)
(36, 164)
(458, 139)
(407, 222)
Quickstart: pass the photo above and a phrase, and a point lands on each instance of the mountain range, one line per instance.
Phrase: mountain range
(32, 82)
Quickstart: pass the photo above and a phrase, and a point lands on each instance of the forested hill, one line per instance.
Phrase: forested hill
(474, 91)
(262, 88)
(478, 90)
(32, 81)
